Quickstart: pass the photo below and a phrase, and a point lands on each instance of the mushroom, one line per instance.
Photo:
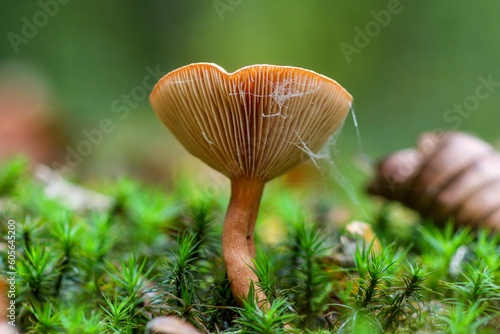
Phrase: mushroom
(170, 325)
(252, 126)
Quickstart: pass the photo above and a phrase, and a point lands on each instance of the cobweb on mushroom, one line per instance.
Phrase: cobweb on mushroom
(281, 92)
(324, 161)
(285, 90)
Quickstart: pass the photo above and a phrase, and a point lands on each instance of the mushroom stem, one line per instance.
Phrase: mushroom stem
(237, 236)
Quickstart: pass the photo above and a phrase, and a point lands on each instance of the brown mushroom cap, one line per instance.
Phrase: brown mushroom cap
(257, 122)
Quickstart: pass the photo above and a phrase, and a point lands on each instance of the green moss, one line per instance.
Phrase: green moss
(155, 253)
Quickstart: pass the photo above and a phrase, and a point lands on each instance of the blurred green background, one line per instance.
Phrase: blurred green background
(407, 63)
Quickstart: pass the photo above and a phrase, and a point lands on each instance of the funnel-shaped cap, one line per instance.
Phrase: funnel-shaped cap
(257, 122)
